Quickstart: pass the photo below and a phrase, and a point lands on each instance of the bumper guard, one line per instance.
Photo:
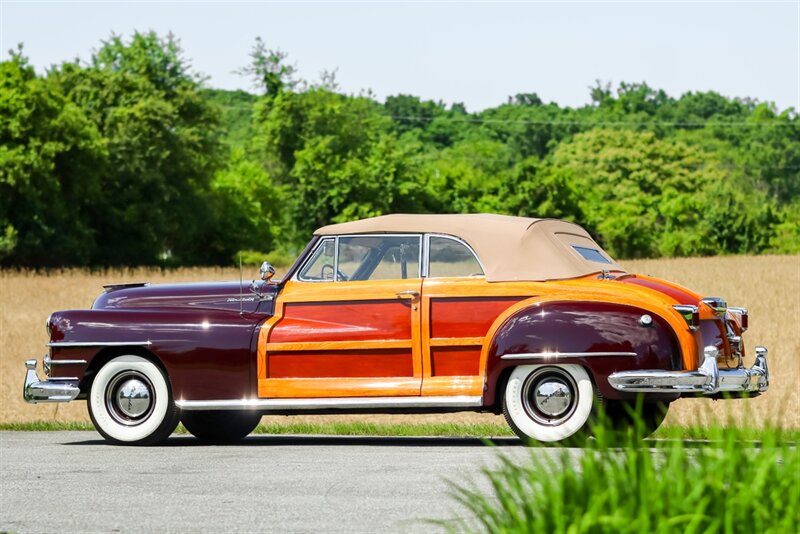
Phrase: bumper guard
(707, 380)
(53, 390)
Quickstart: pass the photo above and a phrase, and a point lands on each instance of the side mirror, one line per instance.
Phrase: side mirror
(267, 271)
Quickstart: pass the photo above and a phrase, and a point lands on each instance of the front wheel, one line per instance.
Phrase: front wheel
(130, 402)
(222, 426)
(549, 402)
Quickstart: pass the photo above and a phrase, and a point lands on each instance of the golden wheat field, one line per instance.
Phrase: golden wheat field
(769, 286)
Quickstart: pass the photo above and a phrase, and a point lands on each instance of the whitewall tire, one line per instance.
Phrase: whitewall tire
(130, 402)
(549, 402)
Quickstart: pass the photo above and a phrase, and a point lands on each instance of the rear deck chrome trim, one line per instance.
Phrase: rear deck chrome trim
(99, 344)
(555, 355)
(328, 403)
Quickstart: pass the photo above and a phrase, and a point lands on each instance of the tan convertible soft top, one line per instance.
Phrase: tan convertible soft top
(510, 248)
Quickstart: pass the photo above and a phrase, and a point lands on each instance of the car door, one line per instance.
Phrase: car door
(348, 323)
(458, 308)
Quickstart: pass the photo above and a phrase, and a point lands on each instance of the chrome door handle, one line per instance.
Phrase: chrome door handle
(410, 293)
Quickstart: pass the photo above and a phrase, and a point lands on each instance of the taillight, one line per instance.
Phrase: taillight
(690, 314)
(741, 316)
(717, 304)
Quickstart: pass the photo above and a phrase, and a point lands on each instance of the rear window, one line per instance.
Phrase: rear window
(591, 254)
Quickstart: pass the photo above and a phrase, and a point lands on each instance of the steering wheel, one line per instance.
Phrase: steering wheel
(330, 266)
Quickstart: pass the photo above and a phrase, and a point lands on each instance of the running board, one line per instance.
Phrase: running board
(341, 403)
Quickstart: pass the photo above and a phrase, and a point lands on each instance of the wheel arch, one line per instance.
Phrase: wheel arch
(107, 354)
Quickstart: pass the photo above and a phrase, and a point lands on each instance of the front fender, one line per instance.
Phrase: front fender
(603, 336)
(207, 354)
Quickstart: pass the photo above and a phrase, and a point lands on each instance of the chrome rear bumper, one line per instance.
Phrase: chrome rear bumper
(707, 380)
(53, 390)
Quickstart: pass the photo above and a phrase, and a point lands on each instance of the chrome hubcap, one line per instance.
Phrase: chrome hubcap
(552, 397)
(130, 398)
(549, 395)
(133, 398)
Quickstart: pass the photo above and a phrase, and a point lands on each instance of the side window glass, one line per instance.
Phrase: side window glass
(353, 252)
(379, 257)
(321, 267)
(449, 257)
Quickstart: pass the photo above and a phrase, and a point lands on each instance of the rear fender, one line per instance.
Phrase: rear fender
(600, 335)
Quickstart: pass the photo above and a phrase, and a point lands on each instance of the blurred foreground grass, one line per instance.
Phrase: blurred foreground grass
(645, 486)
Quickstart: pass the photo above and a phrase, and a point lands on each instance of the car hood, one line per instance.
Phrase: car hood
(215, 295)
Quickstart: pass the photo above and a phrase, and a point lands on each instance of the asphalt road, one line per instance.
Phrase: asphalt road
(74, 482)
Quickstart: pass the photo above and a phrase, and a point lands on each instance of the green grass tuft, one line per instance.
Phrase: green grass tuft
(46, 426)
(373, 429)
(728, 486)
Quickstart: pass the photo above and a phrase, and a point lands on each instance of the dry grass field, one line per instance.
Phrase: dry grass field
(769, 286)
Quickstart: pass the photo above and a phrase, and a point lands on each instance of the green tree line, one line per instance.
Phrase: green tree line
(130, 159)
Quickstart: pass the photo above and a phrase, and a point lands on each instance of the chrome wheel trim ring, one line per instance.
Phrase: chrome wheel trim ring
(549, 396)
(130, 398)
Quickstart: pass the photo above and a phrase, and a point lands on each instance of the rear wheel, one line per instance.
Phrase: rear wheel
(220, 426)
(639, 420)
(549, 402)
(130, 402)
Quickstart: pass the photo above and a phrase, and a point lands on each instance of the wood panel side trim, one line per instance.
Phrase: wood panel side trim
(338, 387)
(340, 345)
(452, 385)
(262, 365)
(378, 290)
(456, 341)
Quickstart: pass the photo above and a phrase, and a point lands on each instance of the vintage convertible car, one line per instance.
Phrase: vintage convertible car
(401, 313)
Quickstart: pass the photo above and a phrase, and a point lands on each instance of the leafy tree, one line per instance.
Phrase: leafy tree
(269, 71)
(163, 149)
(645, 197)
(336, 156)
(410, 112)
(786, 238)
(248, 209)
(235, 110)
(469, 177)
(531, 130)
(129, 159)
(537, 189)
(49, 179)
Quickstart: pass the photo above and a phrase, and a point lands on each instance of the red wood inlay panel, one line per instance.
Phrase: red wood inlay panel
(344, 321)
(334, 364)
(455, 361)
(466, 317)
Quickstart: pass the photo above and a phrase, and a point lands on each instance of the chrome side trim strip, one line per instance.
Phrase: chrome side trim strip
(49, 362)
(554, 355)
(99, 344)
(341, 403)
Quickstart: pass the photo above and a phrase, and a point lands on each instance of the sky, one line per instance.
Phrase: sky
(477, 53)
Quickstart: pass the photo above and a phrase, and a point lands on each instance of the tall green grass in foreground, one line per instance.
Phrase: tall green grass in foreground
(729, 485)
